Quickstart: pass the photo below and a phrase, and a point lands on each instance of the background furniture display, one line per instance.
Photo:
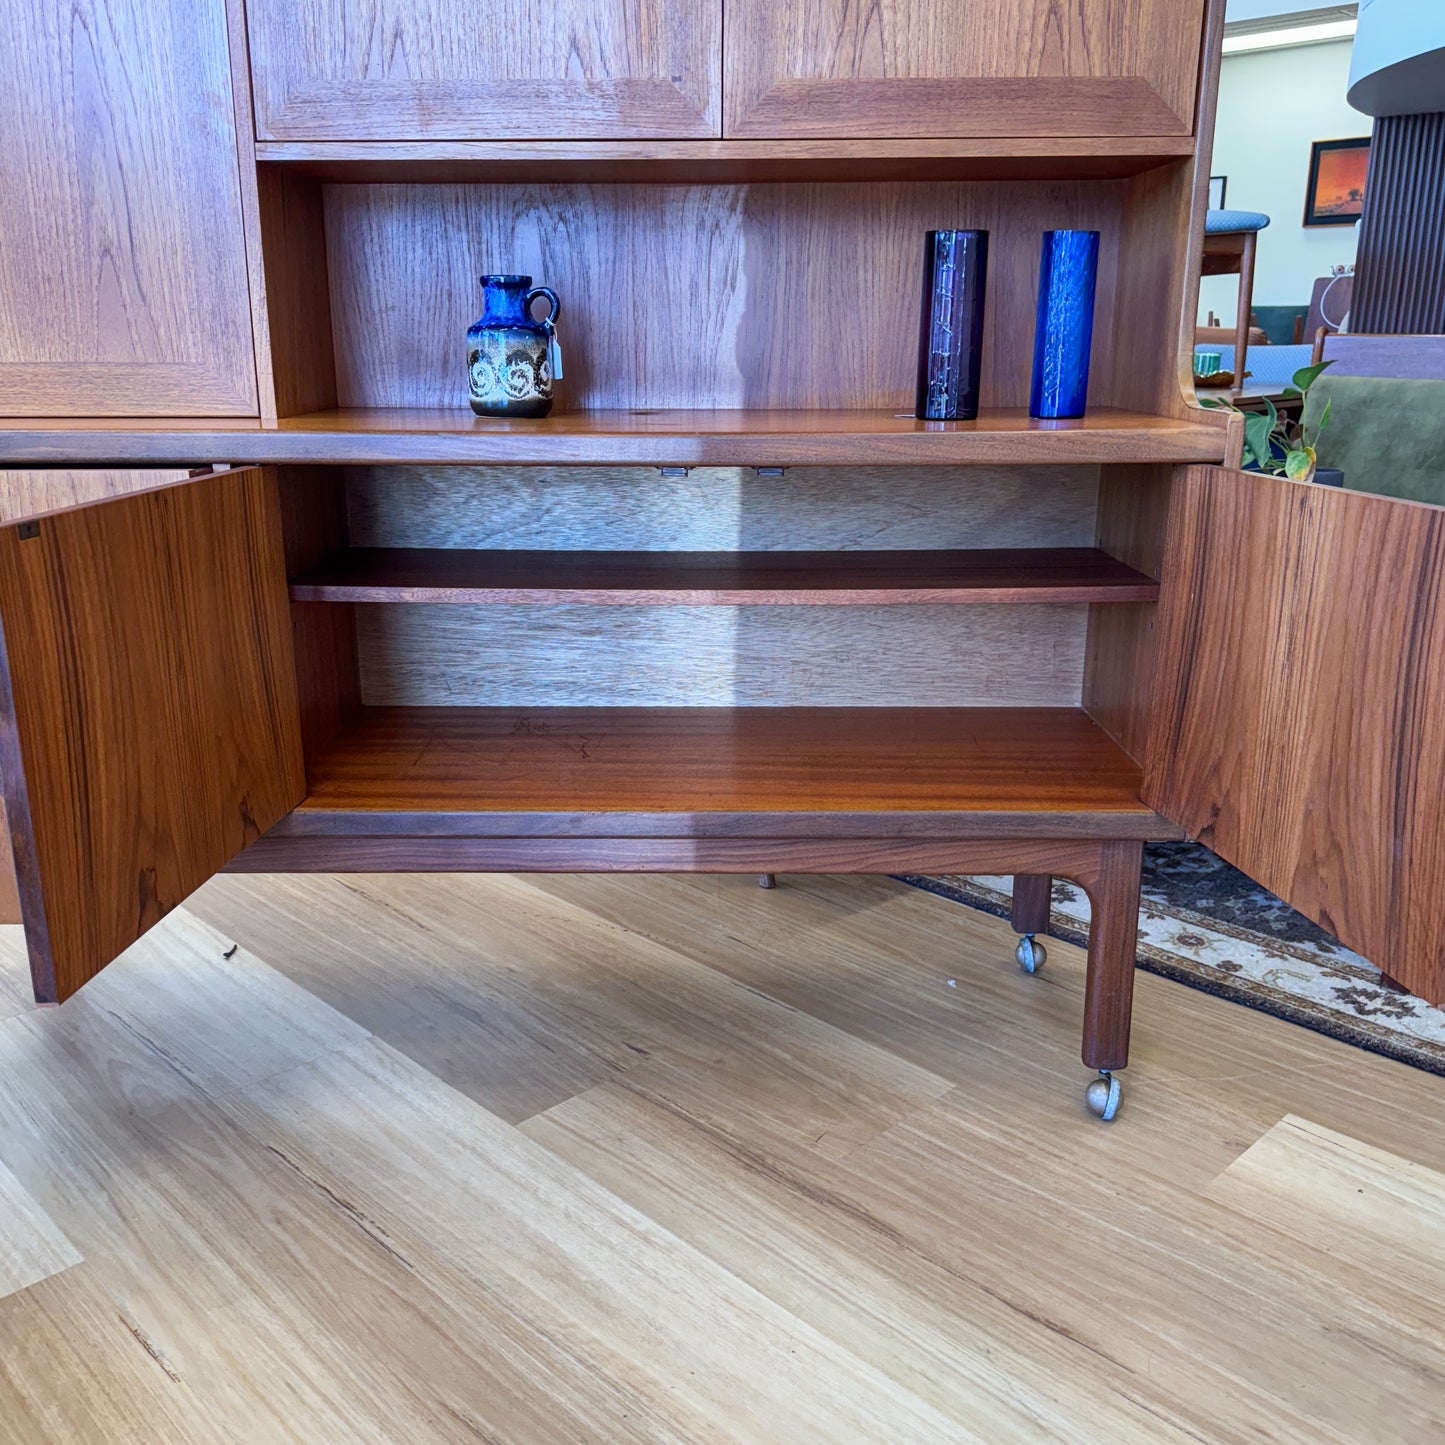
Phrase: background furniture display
(1357, 353)
(730, 607)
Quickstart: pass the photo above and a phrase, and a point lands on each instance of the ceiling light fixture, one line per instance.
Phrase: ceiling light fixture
(1293, 35)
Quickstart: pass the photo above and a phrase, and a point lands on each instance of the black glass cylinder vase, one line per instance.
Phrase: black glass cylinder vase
(950, 344)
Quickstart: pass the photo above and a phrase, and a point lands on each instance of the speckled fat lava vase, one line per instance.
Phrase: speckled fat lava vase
(508, 353)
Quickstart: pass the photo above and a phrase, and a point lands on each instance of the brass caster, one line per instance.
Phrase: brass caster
(1103, 1095)
(767, 880)
(1031, 954)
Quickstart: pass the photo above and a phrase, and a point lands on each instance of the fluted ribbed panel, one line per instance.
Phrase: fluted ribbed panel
(1400, 268)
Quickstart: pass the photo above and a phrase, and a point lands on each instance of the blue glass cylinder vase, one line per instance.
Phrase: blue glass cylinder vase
(950, 343)
(1068, 269)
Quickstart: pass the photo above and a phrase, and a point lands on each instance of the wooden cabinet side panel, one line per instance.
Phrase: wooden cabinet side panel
(1297, 728)
(150, 717)
(431, 69)
(123, 286)
(1119, 654)
(971, 68)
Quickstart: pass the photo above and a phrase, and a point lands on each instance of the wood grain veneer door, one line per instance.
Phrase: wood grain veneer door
(1298, 728)
(511, 69)
(123, 286)
(148, 715)
(961, 68)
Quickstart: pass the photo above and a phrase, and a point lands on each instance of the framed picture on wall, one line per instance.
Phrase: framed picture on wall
(1335, 192)
(1216, 192)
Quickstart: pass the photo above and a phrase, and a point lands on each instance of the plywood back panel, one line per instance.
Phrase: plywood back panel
(721, 656)
(675, 656)
(698, 296)
(29, 493)
(721, 508)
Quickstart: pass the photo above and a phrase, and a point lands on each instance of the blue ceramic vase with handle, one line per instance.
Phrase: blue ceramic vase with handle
(509, 354)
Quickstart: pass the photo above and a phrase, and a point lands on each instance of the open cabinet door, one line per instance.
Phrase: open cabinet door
(148, 704)
(1299, 712)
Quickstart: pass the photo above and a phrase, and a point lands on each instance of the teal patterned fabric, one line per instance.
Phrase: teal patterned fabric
(1217, 222)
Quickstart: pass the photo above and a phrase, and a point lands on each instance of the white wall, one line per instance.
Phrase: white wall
(1272, 104)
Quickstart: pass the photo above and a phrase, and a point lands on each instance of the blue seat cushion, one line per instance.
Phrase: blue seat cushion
(1217, 221)
(1266, 365)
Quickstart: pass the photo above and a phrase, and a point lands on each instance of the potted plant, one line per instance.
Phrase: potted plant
(1275, 445)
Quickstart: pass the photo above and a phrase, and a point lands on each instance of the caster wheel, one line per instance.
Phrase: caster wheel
(1031, 954)
(1103, 1095)
(767, 880)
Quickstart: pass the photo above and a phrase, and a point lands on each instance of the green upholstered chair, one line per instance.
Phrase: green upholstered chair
(1386, 434)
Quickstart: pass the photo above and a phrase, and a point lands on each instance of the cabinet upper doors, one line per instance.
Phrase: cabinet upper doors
(149, 725)
(507, 69)
(961, 67)
(122, 264)
(1297, 725)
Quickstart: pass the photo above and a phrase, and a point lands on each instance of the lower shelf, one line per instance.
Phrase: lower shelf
(730, 774)
(1043, 574)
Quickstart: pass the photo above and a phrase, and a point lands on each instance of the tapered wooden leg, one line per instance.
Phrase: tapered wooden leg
(1032, 894)
(1113, 945)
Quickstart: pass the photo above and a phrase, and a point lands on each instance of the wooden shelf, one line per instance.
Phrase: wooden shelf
(622, 437)
(682, 161)
(749, 772)
(733, 579)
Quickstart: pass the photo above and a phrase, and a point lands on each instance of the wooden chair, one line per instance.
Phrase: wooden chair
(1229, 241)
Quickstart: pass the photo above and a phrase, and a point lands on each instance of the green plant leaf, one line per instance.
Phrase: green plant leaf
(1299, 464)
(1256, 438)
(1324, 420)
(1305, 377)
(1271, 413)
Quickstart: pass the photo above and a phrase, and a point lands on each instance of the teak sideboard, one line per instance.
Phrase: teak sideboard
(273, 599)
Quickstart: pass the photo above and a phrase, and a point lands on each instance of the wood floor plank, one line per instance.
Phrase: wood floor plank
(1346, 1199)
(876, 960)
(73, 1368)
(211, 1010)
(549, 991)
(16, 994)
(32, 1246)
(1279, 1335)
(793, 1235)
(502, 1216)
(283, 1308)
(774, 1179)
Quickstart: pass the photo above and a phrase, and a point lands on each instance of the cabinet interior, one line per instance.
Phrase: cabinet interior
(419, 591)
(739, 296)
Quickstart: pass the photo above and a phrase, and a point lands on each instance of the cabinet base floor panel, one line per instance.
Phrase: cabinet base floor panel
(710, 789)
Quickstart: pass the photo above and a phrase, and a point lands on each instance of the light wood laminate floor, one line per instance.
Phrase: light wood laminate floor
(614, 1159)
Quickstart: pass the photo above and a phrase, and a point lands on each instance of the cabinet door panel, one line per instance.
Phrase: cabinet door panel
(122, 262)
(965, 68)
(518, 69)
(1297, 723)
(148, 715)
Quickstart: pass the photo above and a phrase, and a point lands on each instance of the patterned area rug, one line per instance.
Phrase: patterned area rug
(1205, 924)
